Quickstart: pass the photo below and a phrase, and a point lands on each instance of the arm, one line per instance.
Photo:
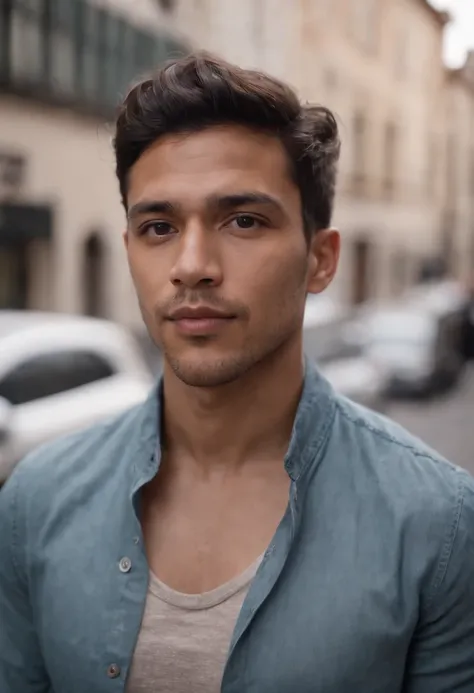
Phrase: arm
(21, 665)
(442, 655)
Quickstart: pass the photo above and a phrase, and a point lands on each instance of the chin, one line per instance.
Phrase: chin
(209, 373)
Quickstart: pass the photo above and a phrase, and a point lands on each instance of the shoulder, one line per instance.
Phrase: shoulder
(389, 447)
(421, 495)
(73, 465)
(421, 503)
(60, 490)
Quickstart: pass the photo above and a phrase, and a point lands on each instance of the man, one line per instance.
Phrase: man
(247, 529)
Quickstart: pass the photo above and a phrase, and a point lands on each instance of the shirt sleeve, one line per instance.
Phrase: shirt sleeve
(442, 654)
(21, 665)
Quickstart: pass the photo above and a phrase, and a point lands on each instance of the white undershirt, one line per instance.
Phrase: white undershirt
(184, 638)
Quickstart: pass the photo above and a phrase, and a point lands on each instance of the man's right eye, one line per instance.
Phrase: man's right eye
(156, 229)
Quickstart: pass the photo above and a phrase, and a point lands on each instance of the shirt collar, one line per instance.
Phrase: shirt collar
(313, 420)
(311, 428)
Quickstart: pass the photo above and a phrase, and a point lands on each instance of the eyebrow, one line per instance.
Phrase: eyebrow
(231, 201)
(221, 202)
(150, 207)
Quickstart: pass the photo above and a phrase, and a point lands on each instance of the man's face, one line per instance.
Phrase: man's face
(217, 251)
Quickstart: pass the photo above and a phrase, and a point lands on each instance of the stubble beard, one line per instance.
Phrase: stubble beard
(211, 372)
(255, 351)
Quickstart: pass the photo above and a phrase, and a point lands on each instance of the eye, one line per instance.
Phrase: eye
(245, 222)
(154, 229)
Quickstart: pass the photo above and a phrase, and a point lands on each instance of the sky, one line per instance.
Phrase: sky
(460, 34)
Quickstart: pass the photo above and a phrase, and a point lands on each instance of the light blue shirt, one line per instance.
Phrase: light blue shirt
(366, 587)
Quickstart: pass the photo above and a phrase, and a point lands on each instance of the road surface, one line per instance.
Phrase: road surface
(446, 423)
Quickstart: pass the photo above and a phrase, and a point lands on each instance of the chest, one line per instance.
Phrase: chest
(201, 535)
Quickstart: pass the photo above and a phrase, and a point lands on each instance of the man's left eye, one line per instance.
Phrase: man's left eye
(246, 221)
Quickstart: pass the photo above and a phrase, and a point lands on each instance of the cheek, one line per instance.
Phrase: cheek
(148, 278)
(144, 265)
(279, 283)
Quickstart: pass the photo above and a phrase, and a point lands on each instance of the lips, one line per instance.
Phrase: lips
(199, 320)
(198, 313)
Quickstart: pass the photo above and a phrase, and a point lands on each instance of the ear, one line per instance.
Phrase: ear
(324, 258)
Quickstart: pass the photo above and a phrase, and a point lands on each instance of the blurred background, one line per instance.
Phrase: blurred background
(396, 330)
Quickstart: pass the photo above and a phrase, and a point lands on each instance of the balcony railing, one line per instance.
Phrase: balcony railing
(75, 53)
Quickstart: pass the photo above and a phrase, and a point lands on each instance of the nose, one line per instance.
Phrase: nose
(197, 263)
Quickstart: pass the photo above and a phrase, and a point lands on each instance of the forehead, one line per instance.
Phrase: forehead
(218, 159)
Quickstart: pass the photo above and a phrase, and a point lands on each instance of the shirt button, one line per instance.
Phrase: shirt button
(125, 565)
(113, 671)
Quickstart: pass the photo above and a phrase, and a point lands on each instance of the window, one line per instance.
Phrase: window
(50, 374)
(161, 51)
(400, 272)
(451, 169)
(63, 21)
(105, 58)
(120, 66)
(93, 278)
(359, 134)
(13, 276)
(431, 164)
(471, 173)
(471, 266)
(362, 275)
(114, 67)
(27, 41)
(167, 5)
(144, 53)
(172, 48)
(76, 50)
(4, 15)
(89, 66)
(390, 153)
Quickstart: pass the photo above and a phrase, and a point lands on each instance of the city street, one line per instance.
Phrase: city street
(447, 423)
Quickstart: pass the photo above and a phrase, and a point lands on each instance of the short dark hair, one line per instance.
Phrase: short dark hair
(200, 91)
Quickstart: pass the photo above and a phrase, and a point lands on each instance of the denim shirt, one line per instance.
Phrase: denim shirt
(366, 587)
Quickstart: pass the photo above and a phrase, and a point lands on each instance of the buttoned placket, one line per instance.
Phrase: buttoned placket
(125, 567)
(129, 588)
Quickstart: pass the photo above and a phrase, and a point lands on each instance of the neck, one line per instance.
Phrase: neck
(247, 420)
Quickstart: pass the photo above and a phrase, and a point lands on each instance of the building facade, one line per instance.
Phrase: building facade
(458, 216)
(378, 65)
(64, 63)
(387, 86)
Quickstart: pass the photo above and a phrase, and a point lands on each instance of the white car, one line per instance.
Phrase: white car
(419, 345)
(59, 374)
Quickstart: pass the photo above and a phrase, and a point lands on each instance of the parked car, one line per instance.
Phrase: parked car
(440, 297)
(418, 342)
(447, 300)
(331, 338)
(59, 374)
